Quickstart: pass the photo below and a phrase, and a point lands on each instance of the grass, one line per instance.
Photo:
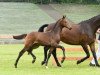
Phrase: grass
(17, 18)
(9, 53)
(77, 12)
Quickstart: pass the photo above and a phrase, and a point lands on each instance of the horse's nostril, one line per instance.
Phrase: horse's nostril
(70, 28)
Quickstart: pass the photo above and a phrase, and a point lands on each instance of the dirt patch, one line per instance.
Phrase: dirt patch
(72, 49)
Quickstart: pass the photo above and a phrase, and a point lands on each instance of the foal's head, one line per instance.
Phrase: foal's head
(63, 22)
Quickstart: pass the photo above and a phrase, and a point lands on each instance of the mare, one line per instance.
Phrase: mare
(83, 33)
(51, 39)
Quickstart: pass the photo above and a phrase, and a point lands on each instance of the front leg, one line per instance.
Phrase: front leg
(49, 54)
(55, 57)
(46, 48)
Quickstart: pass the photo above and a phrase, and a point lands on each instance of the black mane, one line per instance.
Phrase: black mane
(91, 20)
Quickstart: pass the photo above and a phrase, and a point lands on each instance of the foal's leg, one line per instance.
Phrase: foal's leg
(20, 54)
(49, 54)
(55, 57)
(63, 49)
(33, 56)
(46, 48)
(92, 47)
(85, 48)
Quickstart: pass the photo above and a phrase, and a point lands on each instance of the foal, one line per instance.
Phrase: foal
(35, 39)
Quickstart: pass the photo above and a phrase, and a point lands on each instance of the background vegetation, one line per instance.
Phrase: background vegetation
(56, 1)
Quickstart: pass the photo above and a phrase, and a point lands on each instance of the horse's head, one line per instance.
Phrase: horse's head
(64, 23)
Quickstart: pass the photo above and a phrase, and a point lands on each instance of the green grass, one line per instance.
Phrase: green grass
(9, 53)
(77, 12)
(17, 18)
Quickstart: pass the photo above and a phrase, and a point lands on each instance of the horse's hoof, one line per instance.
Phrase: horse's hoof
(15, 65)
(98, 65)
(33, 61)
(78, 62)
(43, 62)
(93, 65)
(59, 65)
(46, 67)
(62, 59)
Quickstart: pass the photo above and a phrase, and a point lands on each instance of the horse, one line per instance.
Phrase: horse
(83, 33)
(51, 39)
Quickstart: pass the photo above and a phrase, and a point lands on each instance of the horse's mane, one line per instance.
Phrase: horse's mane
(91, 20)
(55, 25)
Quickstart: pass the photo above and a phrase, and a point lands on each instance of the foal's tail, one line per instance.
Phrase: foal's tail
(22, 36)
(19, 37)
(41, 29)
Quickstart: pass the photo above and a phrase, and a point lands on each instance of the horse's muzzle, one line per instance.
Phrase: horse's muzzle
(70, 28)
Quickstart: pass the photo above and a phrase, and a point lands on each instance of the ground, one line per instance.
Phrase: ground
(9, 53)
(18, 18)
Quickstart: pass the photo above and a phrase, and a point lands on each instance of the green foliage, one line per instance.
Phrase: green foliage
(79, 1)
(57, 1)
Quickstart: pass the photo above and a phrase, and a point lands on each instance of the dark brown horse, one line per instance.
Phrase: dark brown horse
(51, 39)
(83, 34)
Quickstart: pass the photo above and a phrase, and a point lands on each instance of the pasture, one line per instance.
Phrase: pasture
(18, 18)
(8, 54)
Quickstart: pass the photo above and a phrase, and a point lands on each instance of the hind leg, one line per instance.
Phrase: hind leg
(92, 47)
(20, 54)
(85, 48)
(33, 56)
(34, 46)
(63, 49)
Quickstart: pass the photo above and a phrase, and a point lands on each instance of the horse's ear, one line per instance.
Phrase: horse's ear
(64, 16)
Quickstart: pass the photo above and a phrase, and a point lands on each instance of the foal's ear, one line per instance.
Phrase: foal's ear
(64, 16)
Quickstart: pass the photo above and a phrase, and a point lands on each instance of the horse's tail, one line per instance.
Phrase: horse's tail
(41, 29)
(19, 37)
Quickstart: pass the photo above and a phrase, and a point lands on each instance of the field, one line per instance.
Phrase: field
(8, 54)
(15, 18)
(18, 18)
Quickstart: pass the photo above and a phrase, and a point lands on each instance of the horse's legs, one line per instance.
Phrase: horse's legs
(20, 54)
(85, 48)
(46, 48)
(34, 57)
(55, 57)
(63, 49)
(53, 53)
(92, 47)
(49, 54)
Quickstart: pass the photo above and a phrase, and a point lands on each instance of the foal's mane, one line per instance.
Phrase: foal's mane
(56, 24)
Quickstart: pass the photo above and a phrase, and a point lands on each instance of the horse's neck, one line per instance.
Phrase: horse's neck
(95, 25)
(57, 29)
(91, 25)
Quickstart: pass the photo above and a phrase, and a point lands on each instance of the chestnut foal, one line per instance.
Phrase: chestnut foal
(51, 39)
